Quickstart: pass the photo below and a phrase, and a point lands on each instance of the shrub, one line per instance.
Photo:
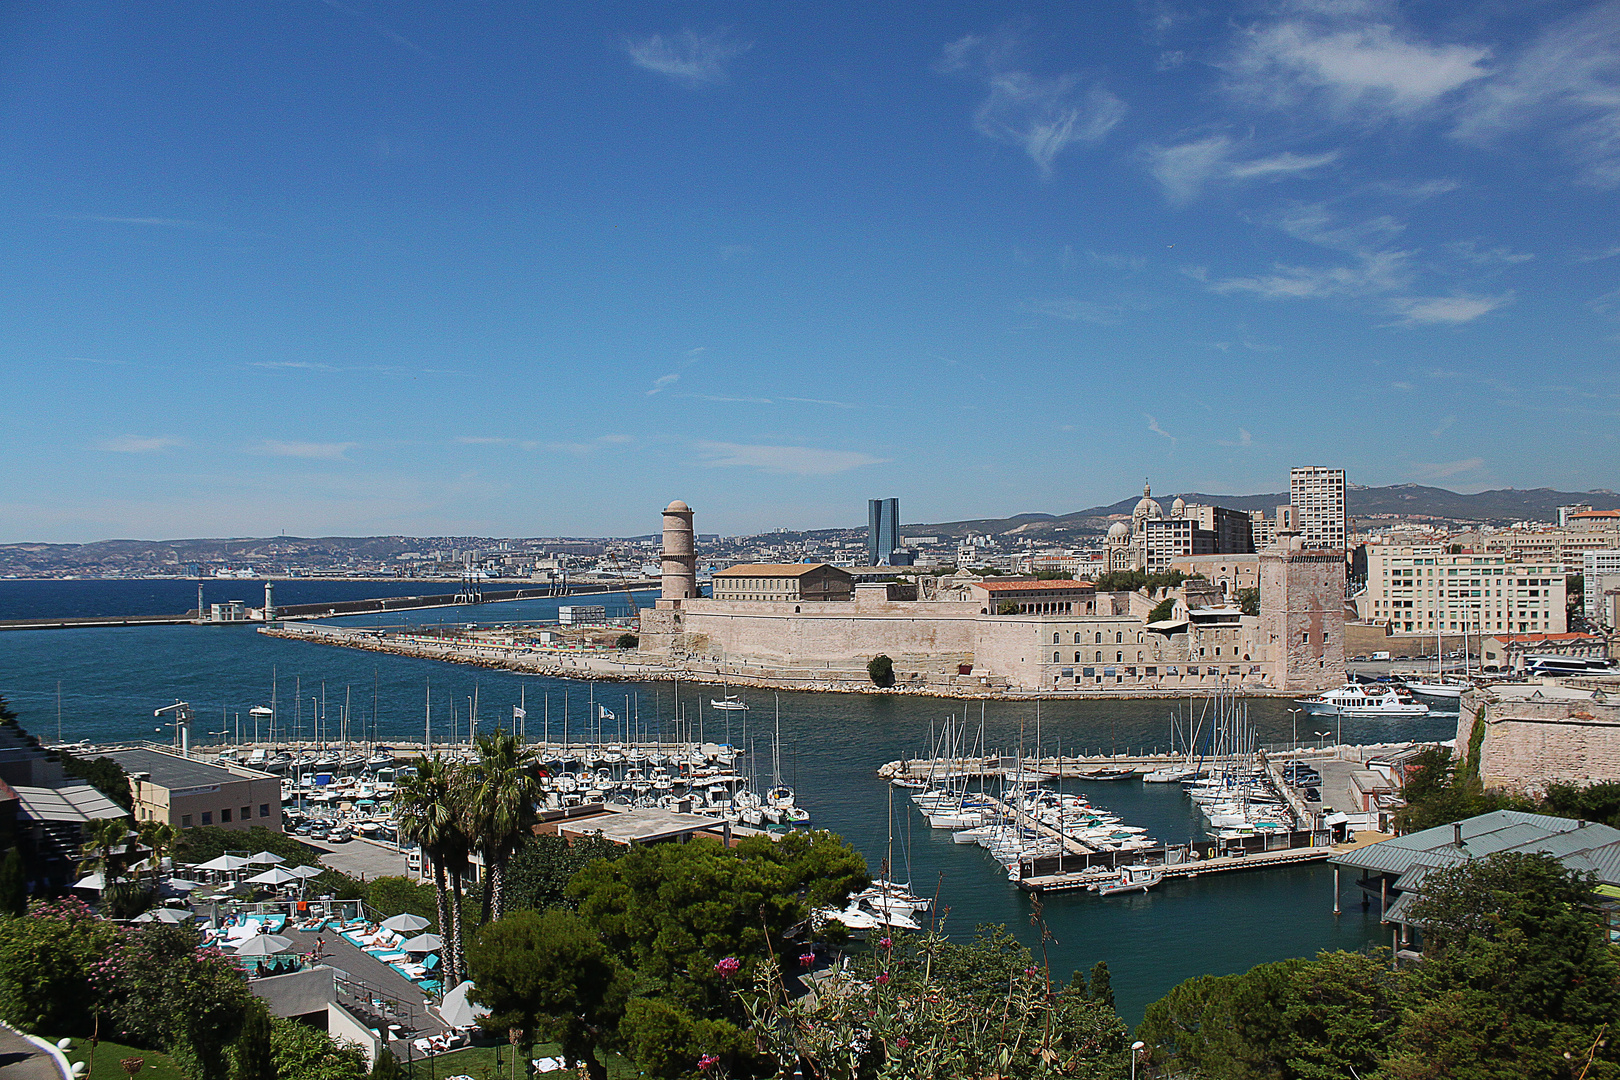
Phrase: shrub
(880, 669)
(627, 641)
(51, 963)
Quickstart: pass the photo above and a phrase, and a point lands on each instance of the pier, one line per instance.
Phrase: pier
(1241, 860)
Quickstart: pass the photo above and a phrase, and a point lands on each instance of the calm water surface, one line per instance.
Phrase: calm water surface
(111, 679)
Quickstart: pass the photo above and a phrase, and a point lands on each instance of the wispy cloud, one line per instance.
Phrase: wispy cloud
(298, 365)
(1376, 266)
(1185, 169)
(1472, 251)
(140, 444)
(1153, 426)
(1445, 425)
(106, 219)
(498, 440)
(1077, 310)
(334, 451)
(1042, 115)
(1565, 84)
(582, 449)
(1444, 470)
(1243, 439)
(397, 39)
(1358, 69)
(1446, 310)
(690, 58)
(791, 460)
(664, 382)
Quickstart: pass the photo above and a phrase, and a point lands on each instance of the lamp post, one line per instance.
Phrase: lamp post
(1136, 1048)
(1320, 735)
(1295, 714)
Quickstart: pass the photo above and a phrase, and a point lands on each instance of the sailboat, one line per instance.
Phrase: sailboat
(780, 797)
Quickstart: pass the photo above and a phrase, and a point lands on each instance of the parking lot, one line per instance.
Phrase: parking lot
(361, 859)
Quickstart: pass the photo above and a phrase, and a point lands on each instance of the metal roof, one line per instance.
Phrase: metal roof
(641, 826)
(77, 803)
(171, 770)
(1595, 847)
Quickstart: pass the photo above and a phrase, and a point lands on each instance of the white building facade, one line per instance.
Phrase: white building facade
(1317, 495)
(1426, 590)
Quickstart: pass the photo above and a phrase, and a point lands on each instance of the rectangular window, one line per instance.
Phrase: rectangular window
(185, 821)
(247, 812)
(264, 809)
(208, 817)
(225, 815)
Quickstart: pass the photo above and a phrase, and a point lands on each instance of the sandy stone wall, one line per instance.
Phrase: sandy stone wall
(1301, 628)
(1529, 743)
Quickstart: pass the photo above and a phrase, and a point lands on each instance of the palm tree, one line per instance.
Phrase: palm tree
(101, 837)
(499, 797)
(428, 816)
(158, 837)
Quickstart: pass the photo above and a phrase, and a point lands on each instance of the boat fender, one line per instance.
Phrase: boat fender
(1211, 854)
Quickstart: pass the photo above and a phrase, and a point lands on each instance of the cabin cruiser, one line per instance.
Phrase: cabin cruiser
(1370, 701)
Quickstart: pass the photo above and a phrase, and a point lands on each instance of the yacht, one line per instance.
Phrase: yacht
(1353, 700)
(729, 703)
(1452, 689)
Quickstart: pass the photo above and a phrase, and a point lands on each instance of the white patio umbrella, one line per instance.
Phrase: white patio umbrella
(423, 943)
(306, 871)
(406, 923)
(264, 945)
(266, 858)
(181, 884)
(274, 876)
(90, 881)
(224, 862)
(164, 915)
(457, 1010)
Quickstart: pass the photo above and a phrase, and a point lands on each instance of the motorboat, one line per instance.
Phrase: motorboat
(1130, 879)
(1370, 701)
(1452, 689)
(729, 703)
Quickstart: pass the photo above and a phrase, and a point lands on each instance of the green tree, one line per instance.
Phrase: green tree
(386, 1066)
(169, 996)
(1008, 607)
(1054, 575)
(159, 838)
(1249, 601)
(13, 886)
(539, 873)
(500, 790)
(254, 1059)
(205, 842)
(305, 1053)
(47, 960)
(667, 1043)
(1587, 802)
(880, 669)
(391, 895)
(426, 808)
(548, 973)
(627, 641)
(1102, 984)
(104, 774)
(1519, 973)
(1164, 609)
(1437, 795)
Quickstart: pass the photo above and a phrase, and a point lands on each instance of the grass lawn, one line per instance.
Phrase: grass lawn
(103, 1063)
(478, 1062)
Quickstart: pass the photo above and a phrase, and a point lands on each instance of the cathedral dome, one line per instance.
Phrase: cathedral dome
(1119, 531)
(1179, 507)
(1147, 508)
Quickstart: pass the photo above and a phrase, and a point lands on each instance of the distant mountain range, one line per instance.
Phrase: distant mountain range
(1404, 500)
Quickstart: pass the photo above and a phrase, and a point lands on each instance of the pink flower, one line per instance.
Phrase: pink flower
(728, 967)
(883, 979)
(1032, 972)
(902, 1042)
(806, 959)
(707, 1062)
(885, 943)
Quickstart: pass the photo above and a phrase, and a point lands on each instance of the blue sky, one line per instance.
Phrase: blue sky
(345, 266)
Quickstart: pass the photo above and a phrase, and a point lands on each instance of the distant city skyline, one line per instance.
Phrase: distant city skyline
(409, 269)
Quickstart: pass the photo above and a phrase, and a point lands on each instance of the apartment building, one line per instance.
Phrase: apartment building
(1424, 589)
(1317, 495)
(1600, 576)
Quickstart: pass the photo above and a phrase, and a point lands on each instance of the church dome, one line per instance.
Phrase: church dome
(1119, 531)
(1147, 508)
(1179, 507)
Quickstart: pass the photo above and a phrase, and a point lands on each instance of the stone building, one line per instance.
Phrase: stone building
(1154, 540)
(1525, 736)
(1301, 621)
(783, 582)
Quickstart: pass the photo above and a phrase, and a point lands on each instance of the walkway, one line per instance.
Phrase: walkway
(22, 1060)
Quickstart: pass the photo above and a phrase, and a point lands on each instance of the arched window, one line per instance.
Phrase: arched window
(1139, 637)
(1099, 640)
(1077, 637)
(1057, 658)
(1119, 637)
(1055, 639)
(1099, 656)
(1119, 658)
(1077, 657)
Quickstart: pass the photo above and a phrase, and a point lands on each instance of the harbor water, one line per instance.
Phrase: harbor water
(831, 745)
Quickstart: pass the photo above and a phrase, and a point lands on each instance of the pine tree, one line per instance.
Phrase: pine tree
(253, 1055)
(1102, 991)
(386, 1067)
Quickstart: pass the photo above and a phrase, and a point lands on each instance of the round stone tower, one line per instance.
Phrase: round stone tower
(680, 557)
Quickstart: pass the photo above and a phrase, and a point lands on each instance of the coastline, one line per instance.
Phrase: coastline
(604, 667)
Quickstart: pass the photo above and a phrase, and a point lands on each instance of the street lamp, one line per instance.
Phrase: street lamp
(1295, 714)
(1136, 1048)
(1320, 735)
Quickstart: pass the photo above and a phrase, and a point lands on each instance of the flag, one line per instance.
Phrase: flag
(518, 714)
(604, 714)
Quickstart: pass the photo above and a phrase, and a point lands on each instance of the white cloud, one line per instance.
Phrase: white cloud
(1358, 69)
(1043, 116)
(302, 365)
(1567, 83)
(1472, 251)
(1445, 425)
(1153, 426)
(794, 460)
(690, 58)
(103, 219)
(1444, 470)
(1243, 439)
(1376, 266)
(140, 444)
(664, 382)
(1077, 310)
(337, 451)
(1446, 310)
(1185, 169)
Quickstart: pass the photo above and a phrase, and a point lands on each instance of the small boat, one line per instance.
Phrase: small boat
(1131, 879)
(1439, 688)
(1109, 774)
(729, 703)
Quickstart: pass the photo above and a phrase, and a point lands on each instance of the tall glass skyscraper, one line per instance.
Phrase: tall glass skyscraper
(882, 530)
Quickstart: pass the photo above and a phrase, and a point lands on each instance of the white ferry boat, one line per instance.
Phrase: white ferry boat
(1353, 700)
